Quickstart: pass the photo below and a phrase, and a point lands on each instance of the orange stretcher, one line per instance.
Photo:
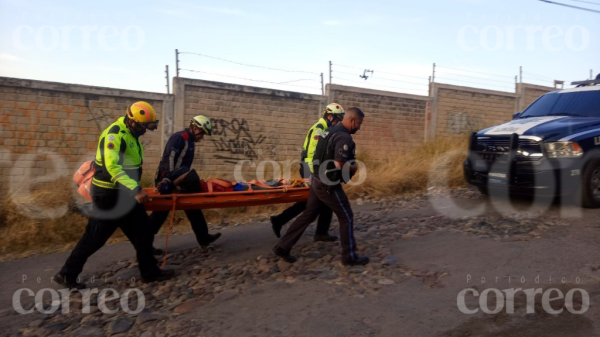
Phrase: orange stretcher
(286, 193)
(293, 191)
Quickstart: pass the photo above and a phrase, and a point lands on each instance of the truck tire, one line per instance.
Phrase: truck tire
(590, 185)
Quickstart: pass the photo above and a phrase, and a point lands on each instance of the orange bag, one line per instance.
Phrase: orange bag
(83, 179)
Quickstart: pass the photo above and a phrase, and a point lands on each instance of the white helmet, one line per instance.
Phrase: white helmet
(203, 123)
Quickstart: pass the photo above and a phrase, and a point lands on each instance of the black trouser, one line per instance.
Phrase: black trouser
(296, 209)
(196, 218)
(113, 209)
(334, 198)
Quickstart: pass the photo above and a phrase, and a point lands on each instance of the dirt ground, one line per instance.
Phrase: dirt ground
(424, 250)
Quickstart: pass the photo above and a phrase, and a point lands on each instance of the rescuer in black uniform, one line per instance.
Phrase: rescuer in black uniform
(176, 160)
(117, 198)
(334, 163)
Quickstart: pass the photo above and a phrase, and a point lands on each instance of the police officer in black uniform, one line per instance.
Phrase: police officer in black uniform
(334, 163)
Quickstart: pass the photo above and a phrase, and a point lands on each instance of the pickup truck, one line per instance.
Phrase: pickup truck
(552, 148)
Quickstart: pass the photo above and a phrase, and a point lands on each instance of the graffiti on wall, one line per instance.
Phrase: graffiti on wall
(234, 141)
(460, 122)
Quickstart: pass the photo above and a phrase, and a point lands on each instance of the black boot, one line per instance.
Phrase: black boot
(359, 261)
(283, 254)
(68, 283)
(161, 275)
(275, 227)
(211, 239)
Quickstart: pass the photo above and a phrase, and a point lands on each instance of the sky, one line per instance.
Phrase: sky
(127, 44)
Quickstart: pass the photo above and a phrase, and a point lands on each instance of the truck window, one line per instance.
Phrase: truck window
(581, 104)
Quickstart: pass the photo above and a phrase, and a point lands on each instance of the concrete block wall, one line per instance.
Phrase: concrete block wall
(49, 129)
(249, 124)
(461, 110)
(394, 122)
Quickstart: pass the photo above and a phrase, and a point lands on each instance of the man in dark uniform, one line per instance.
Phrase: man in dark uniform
(117, 198)
(176, 160)
(334, 163)
(332, 115)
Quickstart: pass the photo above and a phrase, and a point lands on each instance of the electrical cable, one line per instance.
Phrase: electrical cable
(253, 80)
(251, 65)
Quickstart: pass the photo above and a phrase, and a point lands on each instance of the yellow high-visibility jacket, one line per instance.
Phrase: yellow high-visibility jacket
(310, 142)
(119, 158)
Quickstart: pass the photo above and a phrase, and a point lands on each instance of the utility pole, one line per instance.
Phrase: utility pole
(177, 62)
(322, 87)
(433, 74)
(329, 72)
(591, 75)
(167, 77)
(520, 74)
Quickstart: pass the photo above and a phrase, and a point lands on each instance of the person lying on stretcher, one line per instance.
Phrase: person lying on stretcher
(185, 180)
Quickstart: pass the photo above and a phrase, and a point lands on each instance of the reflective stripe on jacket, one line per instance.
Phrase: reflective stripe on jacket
(119, 158)
(179, 152)
(310, 142)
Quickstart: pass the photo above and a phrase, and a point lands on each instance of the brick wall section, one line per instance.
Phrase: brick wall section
(49, 125)
(394, 123)
(249, 123)
(460, 110)
(50, 128)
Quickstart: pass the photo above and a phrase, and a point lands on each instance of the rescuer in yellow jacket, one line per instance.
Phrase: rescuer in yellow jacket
(118, 198)
(332, 115)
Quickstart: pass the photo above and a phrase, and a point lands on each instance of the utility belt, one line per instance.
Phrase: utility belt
(330, 178)
(328, 187)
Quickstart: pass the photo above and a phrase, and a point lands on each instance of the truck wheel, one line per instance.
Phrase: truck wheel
(590, 185)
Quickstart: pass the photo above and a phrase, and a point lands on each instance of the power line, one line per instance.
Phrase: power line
(538, 75)
(304, 79)
(251, 65)
(576, 7)
(375, 70)
(490, 85)
(480, 78)
(351, 67)
(587, 2)
(253, 80)
(382, 78)
(476, 72)
(378, 85)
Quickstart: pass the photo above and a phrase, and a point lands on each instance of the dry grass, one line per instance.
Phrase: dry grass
(437, 163)
(45, 219)
(40, 221)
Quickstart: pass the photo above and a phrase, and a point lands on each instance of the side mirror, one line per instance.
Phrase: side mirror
(516, 114)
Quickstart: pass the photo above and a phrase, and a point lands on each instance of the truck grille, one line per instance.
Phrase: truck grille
(497, 148)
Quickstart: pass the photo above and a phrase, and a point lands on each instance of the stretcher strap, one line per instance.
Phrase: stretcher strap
(169, 231)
